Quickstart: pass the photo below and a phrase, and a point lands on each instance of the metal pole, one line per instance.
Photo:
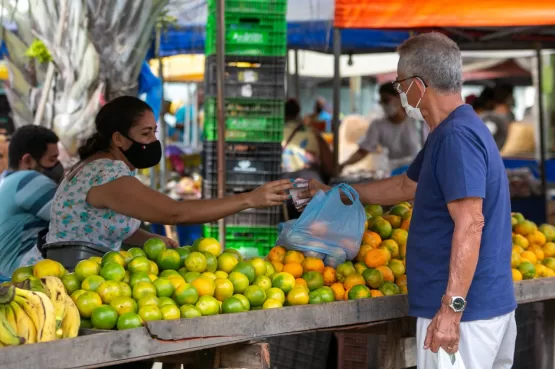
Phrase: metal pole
(220, 85)
(163, 168)
(336, 97)
(297, 78)
(541, 122)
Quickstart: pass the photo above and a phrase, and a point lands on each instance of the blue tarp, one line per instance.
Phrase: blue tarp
(303, 35)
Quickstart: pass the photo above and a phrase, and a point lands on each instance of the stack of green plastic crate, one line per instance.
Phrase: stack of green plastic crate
(255, 56)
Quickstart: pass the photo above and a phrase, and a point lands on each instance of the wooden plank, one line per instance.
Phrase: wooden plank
(112, 348)
(271, 322)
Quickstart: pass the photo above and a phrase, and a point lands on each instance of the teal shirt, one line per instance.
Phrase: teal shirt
(25, 198)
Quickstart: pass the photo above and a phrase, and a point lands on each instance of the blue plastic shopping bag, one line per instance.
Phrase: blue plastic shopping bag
(327, 229)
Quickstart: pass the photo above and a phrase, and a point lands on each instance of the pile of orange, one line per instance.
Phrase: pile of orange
(533, 253)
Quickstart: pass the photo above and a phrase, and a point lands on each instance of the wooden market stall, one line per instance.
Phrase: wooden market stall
(238, 340)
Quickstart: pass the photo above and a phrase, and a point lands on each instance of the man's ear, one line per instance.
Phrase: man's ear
(27, 162)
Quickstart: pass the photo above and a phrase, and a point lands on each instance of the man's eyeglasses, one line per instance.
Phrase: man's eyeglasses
(397, 84)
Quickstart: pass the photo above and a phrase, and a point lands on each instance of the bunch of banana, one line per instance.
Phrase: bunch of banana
(41, 311)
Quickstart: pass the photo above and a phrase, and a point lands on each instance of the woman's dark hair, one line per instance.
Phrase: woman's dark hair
(118, 115)
(292, 109)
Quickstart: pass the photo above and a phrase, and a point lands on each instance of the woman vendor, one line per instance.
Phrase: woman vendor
(100, 201)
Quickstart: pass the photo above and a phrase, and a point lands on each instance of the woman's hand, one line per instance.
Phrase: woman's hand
(169, 242)
(270, 194)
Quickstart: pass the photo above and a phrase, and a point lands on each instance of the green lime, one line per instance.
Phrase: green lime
(186, 294)
(240, 281)
(191, 276)
(113, 257)
(125, 289)
(211, 262)
(22, 273)
(247, 269)
(153, 247)
(129, 320)
(142, 289)
(138, 277)
(170, 312)
(165, 301)
(196, 262)
(164, 288)
(139, 264)
(108, 291)
(86, 268)
(104, 317)
(124, 305)
(183, 253)
(263, 281)
(92, 283)
(232, 305)
(245, 301)
(112, 271)
(149, 300)
(208, 305)
(136, 251)
(190, 311)
(256, 295)
(150, 313)
(169, 259)
(71, 283)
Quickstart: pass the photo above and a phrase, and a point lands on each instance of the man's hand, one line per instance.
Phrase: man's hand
(444, 331)
(313, 187)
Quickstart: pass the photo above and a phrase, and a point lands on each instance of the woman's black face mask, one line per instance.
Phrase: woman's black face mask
(141, 155)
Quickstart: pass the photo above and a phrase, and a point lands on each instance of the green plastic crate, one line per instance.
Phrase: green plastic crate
(249, 241)
(251, 6)
(250, 35)
(250, 120)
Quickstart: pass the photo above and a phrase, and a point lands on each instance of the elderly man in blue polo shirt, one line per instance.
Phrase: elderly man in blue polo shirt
(459, 246)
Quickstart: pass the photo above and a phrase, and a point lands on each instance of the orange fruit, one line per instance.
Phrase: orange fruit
(284, 281)
(92, 283)
(170, 312)
(549, 249)
(150, 313)
(540, 255)
(405, 225)
(142, 289)
(353, 280)
(390, 289)
(278, 266)
(401, 281)
(364, 248)
(520, 240)
(87, 303)
(550, 263)
(536, 238)
(240, 281)
(295, 269)
(293, 256)
(298, 296)
(272, 304)
(377, 257)
(392, 246)
(387, 273)
(113, 256)
(299, 282)
(527, 269)
(259, 266)
(376, 293)
(338, 291)
(515, 259)
(329, 276)
(208, 305)
(313, 264)
(277, 254)
(247, 269)
(169, 259)
(255, 295)
(139, 264)
(359, 291)
(124, 305)
(529, 256)
(397, 267)
(210, 245)
(400, 236)
(517, 275)
(186, 294)
(394, 220)
(196, 262)
(263, 281)
(276, 294)
(164, 287)
(371, 238)
(47, 267)
(313, 280)
(205, 286)
(373, 277)
(226, 262)
(108, 291)
(542, 271)
(223, 289)
(382, 227)
(525, 228)
(189, 311)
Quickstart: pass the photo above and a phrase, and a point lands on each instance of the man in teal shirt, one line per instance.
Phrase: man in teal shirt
(26, 191)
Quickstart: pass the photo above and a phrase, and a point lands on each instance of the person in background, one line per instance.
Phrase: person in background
(460, 284)
(500, 115)
(26, 192)
(395, 131)
(320, 115)
(305, 153)
(484, 102)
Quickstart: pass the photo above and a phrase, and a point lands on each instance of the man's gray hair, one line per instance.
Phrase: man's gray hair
(433, 57)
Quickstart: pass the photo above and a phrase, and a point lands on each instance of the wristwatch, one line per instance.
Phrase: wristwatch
(456, 303)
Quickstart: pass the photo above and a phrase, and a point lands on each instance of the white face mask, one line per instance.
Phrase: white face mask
(412, 112)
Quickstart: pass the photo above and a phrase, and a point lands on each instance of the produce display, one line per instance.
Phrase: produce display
(124, 289)
(533, 253)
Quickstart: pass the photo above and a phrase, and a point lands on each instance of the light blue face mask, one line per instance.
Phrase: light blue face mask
(412, 112)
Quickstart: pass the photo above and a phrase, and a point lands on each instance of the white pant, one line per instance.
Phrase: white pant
(484, 344)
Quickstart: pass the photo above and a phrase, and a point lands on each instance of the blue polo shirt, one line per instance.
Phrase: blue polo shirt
(459, 160)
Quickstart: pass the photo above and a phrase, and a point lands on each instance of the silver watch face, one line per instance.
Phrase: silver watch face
(458, 303)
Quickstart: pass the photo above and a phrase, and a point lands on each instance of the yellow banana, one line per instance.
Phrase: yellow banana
(25, 326)
(10, 316)
(57, 293)
(72, 320)
(40, 309)
(7, 335)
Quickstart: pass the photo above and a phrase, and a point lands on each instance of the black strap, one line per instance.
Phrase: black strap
(295, 131)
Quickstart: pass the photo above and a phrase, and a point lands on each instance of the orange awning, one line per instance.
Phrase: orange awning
(403, 14)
